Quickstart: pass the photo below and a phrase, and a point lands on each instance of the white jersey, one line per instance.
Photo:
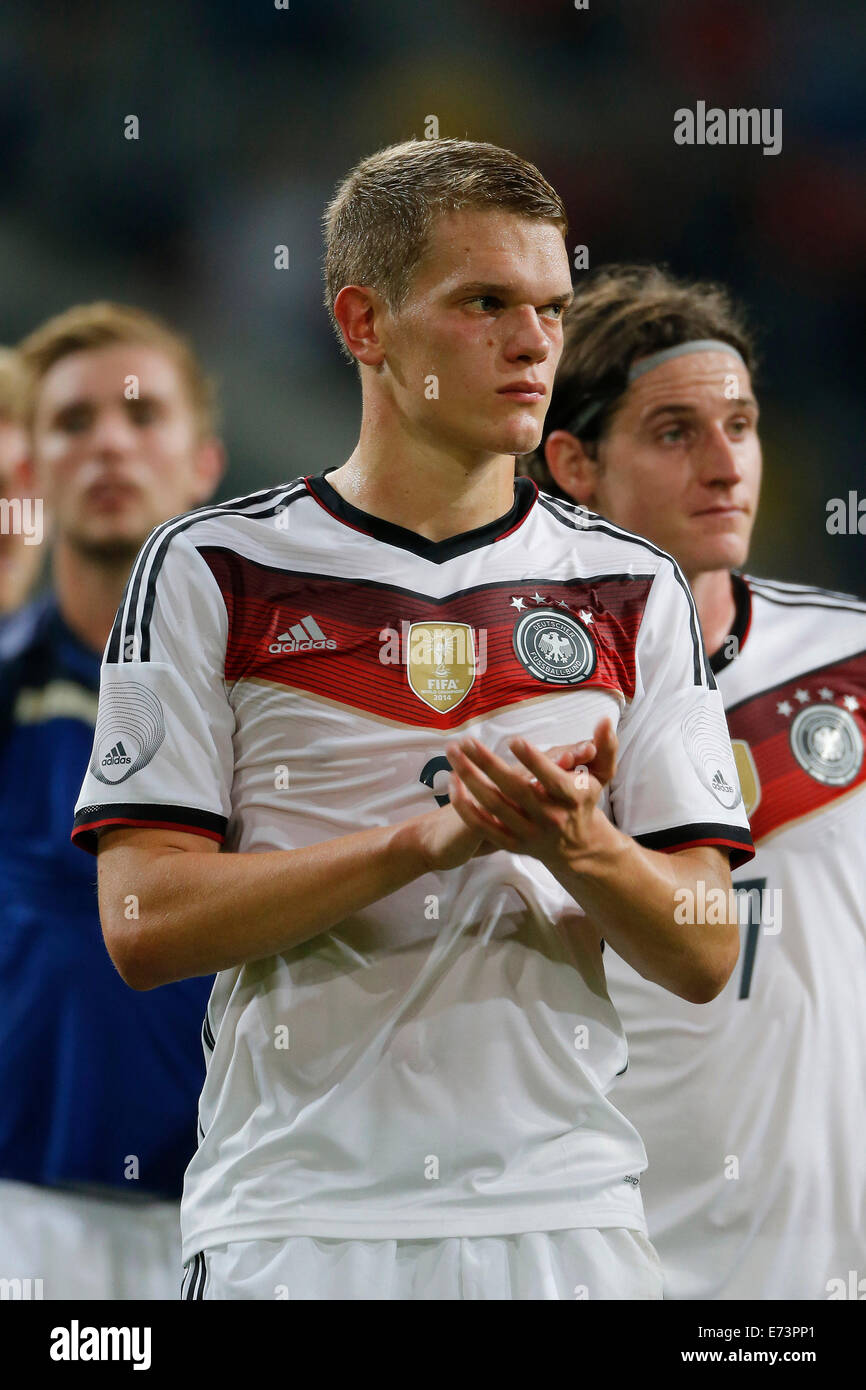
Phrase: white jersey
(753, 1107)
(286, 669)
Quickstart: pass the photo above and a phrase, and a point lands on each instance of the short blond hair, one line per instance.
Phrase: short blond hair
(13, 387)
(102, 324)
(377, 225)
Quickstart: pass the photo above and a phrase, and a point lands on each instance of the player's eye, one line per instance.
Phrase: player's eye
(76, 419)
(487, 302)
(739, 427)
(672, 435)
(553, 310)
(143, 411)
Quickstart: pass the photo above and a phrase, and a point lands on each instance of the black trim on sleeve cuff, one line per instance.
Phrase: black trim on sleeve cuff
(737, 841)
(91, 819)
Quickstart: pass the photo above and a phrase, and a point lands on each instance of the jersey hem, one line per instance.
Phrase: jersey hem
(432, 1228)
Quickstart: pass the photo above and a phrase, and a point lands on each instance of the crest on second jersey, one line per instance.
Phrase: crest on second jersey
(440, 663)
(554, 647)
(750, 782)
(827, 744)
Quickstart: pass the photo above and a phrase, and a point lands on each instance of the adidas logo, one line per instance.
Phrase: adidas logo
(719, 783)
(305, 636)
(116, 756)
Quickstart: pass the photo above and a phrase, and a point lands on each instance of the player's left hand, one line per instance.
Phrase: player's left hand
(548, 807)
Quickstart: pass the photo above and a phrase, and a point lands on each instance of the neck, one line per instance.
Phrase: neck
(89, 590)
(714, 596)
(409, 479)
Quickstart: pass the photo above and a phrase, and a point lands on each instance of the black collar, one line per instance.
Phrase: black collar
(729, 651)
(525, 493)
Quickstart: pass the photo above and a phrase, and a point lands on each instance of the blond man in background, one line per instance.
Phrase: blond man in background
(98, 1085)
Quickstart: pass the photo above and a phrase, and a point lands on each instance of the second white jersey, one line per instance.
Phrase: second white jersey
(753, 1107)
(285, 670)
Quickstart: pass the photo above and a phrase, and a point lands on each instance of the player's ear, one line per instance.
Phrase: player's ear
(359, 310)
(571, 466)
(210, 465)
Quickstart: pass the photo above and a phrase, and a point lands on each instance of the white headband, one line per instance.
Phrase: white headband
(646, 364)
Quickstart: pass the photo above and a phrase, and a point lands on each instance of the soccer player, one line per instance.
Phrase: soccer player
(751, 1108)
(410, 1047)
(22, 529)
(98, 1086)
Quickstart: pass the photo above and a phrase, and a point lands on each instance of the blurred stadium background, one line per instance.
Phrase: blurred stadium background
(249, 115)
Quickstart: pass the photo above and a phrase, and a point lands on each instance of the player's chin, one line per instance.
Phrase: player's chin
(118, 534)
(728, 551)
(518, 437)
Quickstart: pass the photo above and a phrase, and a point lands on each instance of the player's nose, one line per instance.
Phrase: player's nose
(527, 339)
(720, 460)
(112, 433)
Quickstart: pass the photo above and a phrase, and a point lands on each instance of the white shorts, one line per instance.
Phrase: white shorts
(56, 1243)
(575, 1264)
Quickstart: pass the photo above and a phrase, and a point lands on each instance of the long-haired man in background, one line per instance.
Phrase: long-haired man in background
(751, 1108)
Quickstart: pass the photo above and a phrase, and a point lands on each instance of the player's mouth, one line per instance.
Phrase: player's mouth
(526, 392)
(110, 496)
(721, 511)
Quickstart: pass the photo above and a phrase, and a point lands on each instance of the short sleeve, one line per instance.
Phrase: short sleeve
(676, 784)
(162, 752)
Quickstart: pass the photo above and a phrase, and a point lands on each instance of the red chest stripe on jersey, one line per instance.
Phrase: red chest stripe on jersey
(347, 640)
(805, 743)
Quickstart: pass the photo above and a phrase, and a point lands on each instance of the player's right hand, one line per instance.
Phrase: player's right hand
(447, 842)
(537, 808)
